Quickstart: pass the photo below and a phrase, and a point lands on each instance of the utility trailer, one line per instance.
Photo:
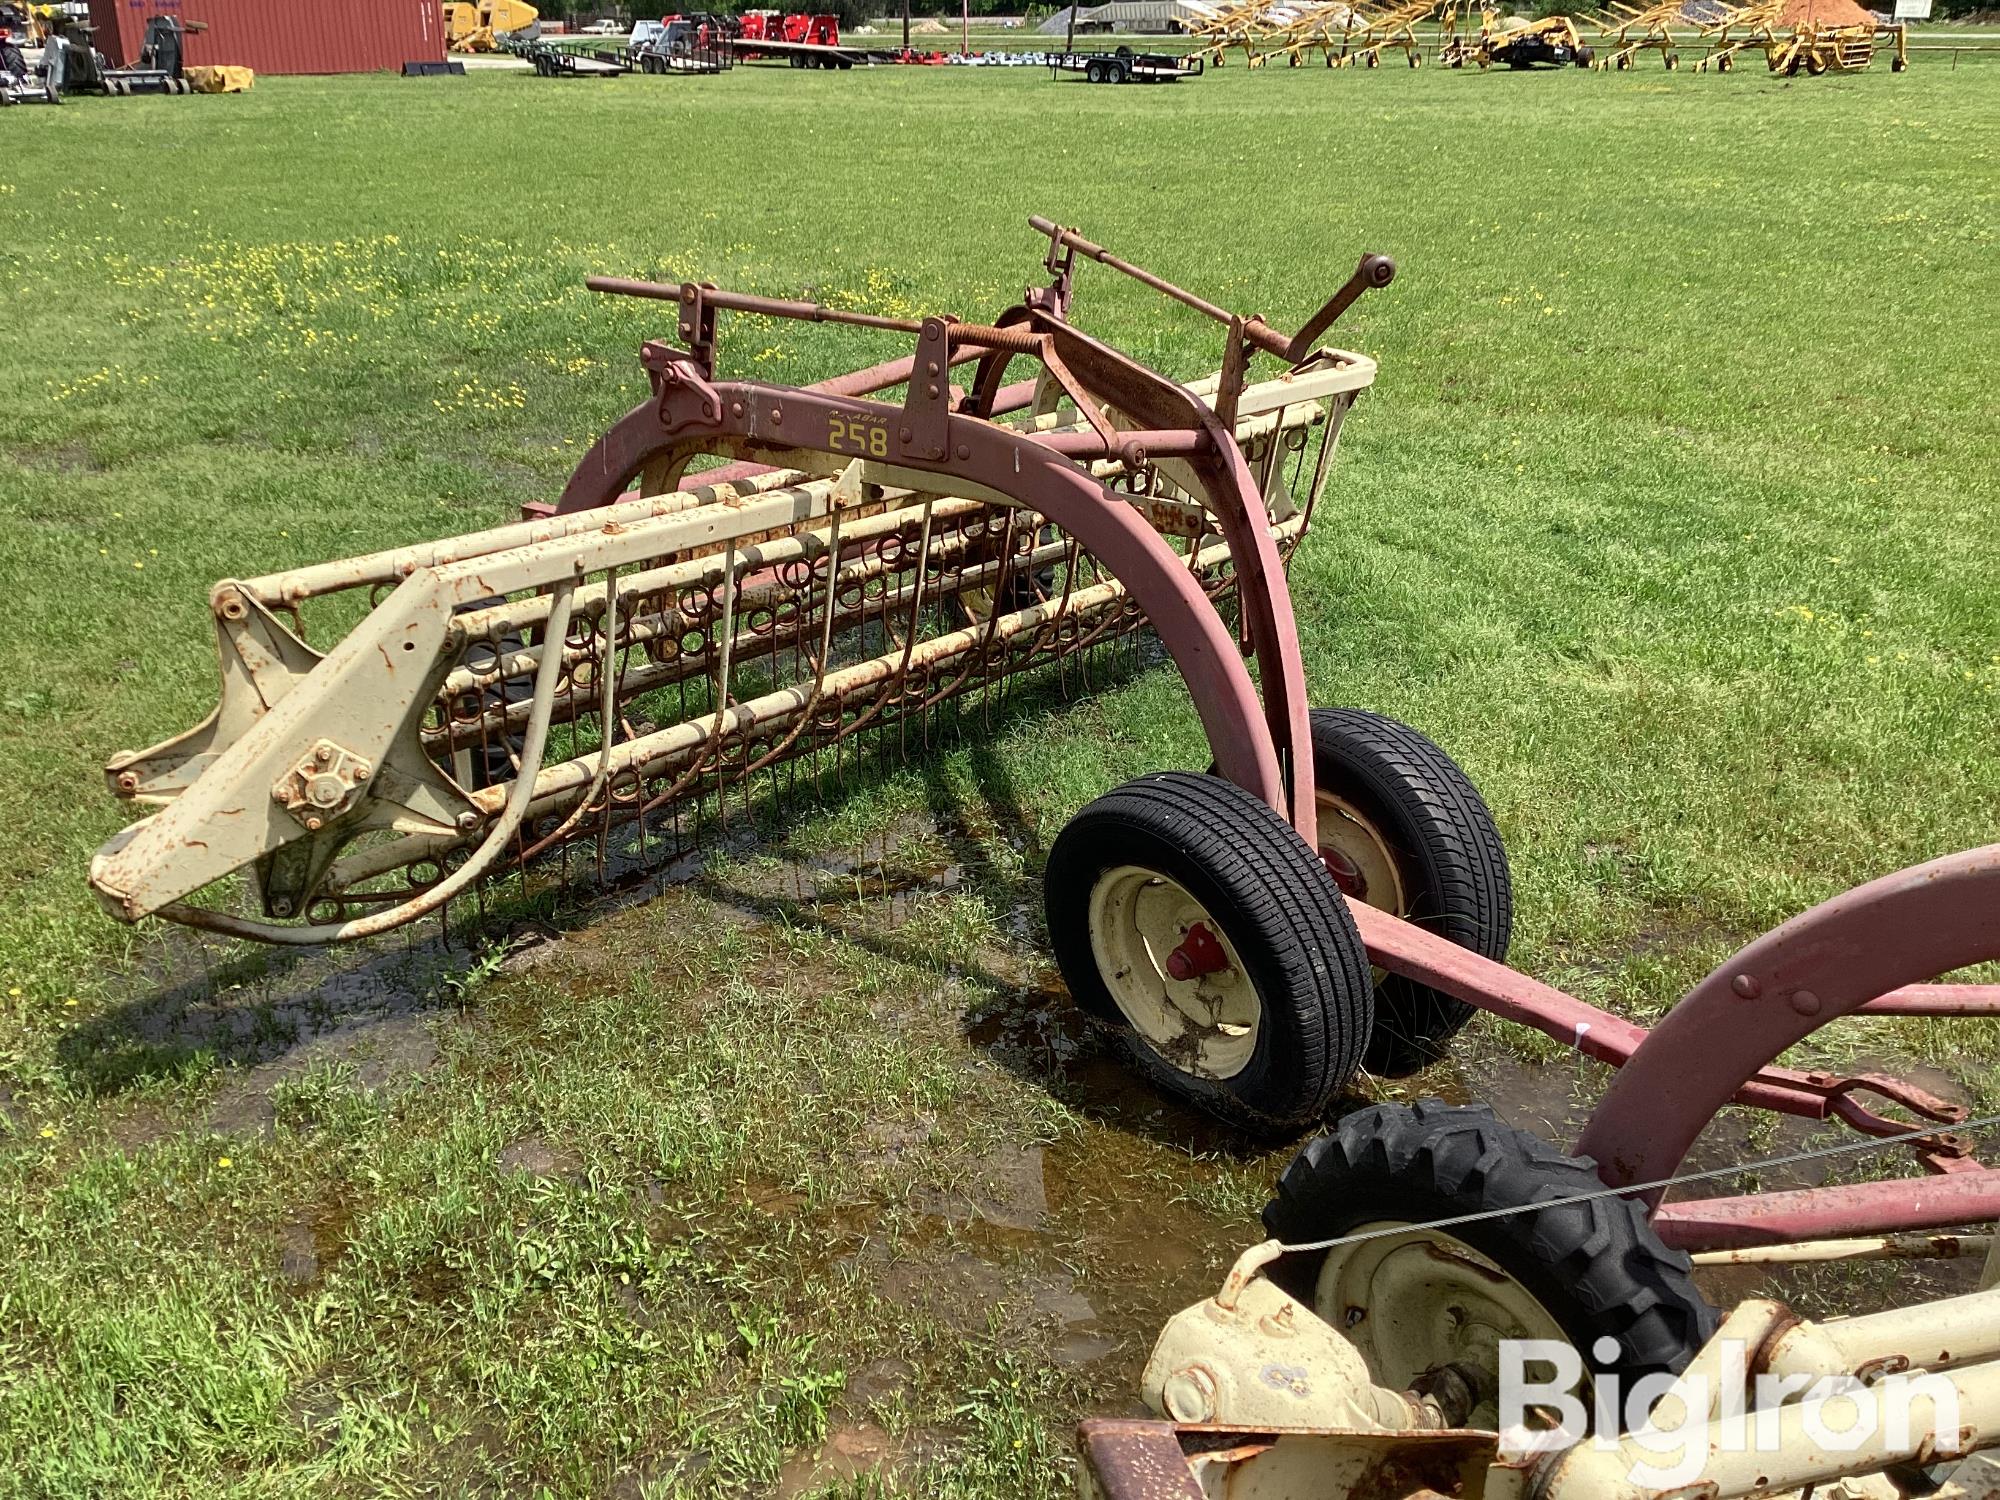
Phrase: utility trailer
(1126, 66)
(803, 54)
(683, 45)
(551, 61)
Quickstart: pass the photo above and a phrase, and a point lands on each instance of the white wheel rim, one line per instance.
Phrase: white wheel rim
(1344, 829)
(1206, 1025)
(1417, 1301)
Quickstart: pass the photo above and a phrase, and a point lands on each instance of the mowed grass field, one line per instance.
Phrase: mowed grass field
(1672, 516)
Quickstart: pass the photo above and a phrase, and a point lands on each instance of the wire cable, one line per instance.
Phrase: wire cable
(1639, 1187)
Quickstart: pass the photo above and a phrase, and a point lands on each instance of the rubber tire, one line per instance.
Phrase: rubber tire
(1278, 907)
(1598, 1268)
(1419, 798)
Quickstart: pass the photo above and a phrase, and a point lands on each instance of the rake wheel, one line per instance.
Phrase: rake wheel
(1191, 916)
(1414, 1303)
(1402, 828)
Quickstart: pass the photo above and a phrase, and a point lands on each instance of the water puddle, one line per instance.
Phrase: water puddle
(1082, 1243)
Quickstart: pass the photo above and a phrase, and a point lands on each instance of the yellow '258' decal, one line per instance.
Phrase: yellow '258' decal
(852, 435)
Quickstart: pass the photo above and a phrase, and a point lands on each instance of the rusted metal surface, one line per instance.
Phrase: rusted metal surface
(1134, 1460)
(1937, 1000)
(282, 36)
(1126, 1459)
(1899, 1206)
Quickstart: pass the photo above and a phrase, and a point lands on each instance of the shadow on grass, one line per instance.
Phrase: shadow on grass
(201, 1004)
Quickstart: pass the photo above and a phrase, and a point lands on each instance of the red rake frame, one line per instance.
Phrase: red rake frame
(1869, 950)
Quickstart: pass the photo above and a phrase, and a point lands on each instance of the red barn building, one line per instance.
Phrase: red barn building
(282, 36)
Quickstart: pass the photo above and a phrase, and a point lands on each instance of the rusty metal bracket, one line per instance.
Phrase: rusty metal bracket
(326, 783)
(672, 370)
(698, 324)
(925, 430)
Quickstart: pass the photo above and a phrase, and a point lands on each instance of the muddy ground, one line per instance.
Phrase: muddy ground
(1016, 1206)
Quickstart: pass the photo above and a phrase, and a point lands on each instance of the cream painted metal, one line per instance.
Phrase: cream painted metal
(1272, 1401)
(1206, 1023)
(505, 682)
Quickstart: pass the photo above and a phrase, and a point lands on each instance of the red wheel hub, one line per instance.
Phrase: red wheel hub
(1346, 873)
(1200, 953)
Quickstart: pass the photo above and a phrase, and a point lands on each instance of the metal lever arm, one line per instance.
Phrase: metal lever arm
(1374, 271)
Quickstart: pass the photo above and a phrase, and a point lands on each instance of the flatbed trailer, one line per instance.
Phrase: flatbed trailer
(551, 61)
(1127, 66)
(804, 54)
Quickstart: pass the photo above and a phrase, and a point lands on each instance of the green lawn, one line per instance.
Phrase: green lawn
(1672, 516)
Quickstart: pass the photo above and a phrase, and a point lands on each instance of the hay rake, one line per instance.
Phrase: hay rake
(1242, 25)
(1633, 29)
(1316, 29)
(1740, 28)
(584, 675)
(1389, 30)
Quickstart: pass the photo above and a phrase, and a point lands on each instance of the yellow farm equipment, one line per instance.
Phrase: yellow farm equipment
(470, 27)
(1325, 29)
(1633, 29)
(1739, 28)
(1240, 25)
(1795, 42)
(1816, 49)
(1512, 41)
(1390, 30)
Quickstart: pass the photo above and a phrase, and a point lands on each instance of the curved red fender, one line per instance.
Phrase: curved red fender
(759, 420)
(1830, 961)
